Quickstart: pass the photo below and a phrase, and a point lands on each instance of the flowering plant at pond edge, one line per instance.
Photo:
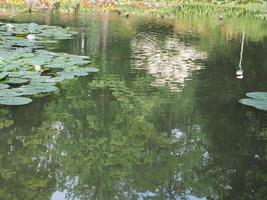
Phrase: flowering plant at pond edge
(63, 4)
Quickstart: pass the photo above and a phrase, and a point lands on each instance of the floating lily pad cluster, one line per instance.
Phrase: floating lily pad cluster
(256, 99)
(27, 69)
(32, 35)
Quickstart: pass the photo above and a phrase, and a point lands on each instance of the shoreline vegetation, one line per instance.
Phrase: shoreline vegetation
(232, 19)
(220, 9)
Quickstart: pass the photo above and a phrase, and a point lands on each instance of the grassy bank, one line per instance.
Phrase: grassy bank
(221, 9)
(251, 10)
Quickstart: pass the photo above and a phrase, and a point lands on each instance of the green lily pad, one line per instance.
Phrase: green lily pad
(80, 61)
(8, 93)
(16, 81)
(257, 100)
(56, 65)
(3, 86)
(3, 75)
(32, 27)
(15, 101)
(76, 71)
(72, 73)
(66, 75)
(90, 69)
(11, 67)
(23, 74)
(256, 103)
(55, 80)
(257, 95)
(40, 79)
(36, 88)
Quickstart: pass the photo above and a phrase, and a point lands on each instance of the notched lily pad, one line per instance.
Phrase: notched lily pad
(14, 101)
(3, 75)
(40, 79)
(3, 86)
(257, 100)
(66, 75)
(257, 95)
(16, 81)
(55, 80)
(90, 69)
(36, 88)
(8, 93)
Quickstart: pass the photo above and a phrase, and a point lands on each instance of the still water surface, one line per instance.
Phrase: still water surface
(160, 120)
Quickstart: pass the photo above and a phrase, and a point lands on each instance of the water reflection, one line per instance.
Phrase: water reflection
(113, 136)
(240, 71)
(170, 61)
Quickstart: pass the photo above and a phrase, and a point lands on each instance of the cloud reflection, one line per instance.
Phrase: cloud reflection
(171, 61)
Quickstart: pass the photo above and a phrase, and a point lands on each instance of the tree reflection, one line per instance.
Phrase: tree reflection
(119, 152)
(113, 136)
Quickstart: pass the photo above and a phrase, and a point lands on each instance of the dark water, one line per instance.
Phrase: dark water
(161, 120)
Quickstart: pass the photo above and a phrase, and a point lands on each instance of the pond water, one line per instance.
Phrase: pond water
(160, 120)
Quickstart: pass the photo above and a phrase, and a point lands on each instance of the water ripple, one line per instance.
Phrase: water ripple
(170, 60)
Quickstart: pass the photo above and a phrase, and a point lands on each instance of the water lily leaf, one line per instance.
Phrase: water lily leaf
(12, 67)
(63, 63)
(82, 57)
(79, 61)
(40, 79)
(256, 103)
(35, 61)
(257, 100)
(23, 74)
(36, 88)
(63, 36)
(26, 91)
(90, 69)
(24, 52)
(17, 74)
(77, 71)
(45, 41)
(16, 81)
(93, 69)
(3, 75)
(257, 95)
(15, 101)
(72, 72)
(8, 93)
(44, 52)
(44, 57)
(54, 80)
(56, 65)
(66, 75)
(80, 72)
(32, 27)
(3, 86)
